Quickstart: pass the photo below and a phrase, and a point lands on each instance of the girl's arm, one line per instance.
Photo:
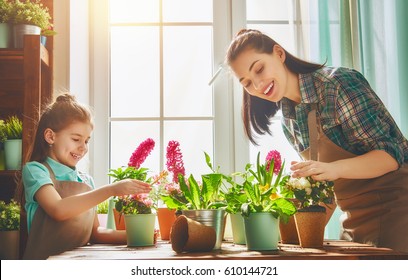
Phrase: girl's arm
(64, 208)
(370, 165)
(104, 235)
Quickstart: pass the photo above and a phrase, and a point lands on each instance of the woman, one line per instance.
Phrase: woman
(339, 126)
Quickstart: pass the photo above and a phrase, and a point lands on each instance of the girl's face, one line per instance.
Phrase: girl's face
(261, 74)
(70, 144)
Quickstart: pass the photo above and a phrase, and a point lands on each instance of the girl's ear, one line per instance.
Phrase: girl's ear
(280, 52)
(49, 136)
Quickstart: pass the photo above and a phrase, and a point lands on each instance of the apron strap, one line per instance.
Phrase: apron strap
(313, 134)
(52, 174)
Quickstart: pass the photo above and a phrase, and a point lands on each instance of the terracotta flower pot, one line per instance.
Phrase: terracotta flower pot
(119, 220)
(166, 218)
(310, 224)
(288, 231)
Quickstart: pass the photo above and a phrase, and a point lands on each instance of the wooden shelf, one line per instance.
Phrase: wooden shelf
(26, 82)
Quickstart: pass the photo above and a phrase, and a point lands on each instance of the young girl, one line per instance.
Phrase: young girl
(60, 200)
(339, 126)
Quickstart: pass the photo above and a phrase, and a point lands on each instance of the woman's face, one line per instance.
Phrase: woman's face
(70, 144)
(261, 74)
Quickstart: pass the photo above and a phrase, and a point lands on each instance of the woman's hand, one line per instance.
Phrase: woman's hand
(366, 166)
(130, 186)
(319, 171)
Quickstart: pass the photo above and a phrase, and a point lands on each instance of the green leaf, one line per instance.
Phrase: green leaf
(211, 185)
(208, 160)
(173, 203)
(249, 190)
(195, 193)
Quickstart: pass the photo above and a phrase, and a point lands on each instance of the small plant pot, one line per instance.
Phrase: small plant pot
(166, 218)
(13, 153)
(140, 229)
(288, 231)
(261, 231)
(19, 30)
(119, 220)
(214, 218)
(9, 245)
(310, 224)
(238, 228)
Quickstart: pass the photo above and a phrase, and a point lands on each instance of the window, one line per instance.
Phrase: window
(274, 18)
(161, 61)
(162, 55)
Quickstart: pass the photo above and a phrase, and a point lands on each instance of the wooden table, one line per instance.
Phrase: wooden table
(332, 250)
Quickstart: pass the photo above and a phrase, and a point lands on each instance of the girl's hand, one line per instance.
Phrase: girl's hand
(319, 171)
(130, 186)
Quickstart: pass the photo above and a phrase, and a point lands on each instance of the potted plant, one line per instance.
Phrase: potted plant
(9, 229)
(311, 216)
(198, 200)
(13, 132)
(132, 171)
(265, 206)
(3, 138)
(139, 220)
(5, 27)
(102, 212)
(29, 18)
(235, 196)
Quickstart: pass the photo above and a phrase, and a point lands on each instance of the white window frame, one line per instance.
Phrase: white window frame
(231, 149)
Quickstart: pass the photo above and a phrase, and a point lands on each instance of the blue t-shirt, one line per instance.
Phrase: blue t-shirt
(35, 175)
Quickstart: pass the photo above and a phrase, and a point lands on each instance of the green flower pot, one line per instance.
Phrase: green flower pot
(238, 228)
(261, 231)
(5, 35)
(13, 153)
(140, 229)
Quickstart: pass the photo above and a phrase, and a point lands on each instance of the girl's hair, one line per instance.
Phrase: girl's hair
(58, 115)
(64, 111)
(256, 112)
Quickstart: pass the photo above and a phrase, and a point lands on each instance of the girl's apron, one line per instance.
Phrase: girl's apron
(376, 209)
(50, 237)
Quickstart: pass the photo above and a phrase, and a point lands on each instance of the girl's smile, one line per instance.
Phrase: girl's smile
(69, 145)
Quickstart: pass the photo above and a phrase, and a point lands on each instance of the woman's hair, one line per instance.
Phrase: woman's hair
(256, 112)
(58, 115)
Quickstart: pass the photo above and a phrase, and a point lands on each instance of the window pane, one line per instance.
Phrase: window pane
(135, 72)
(267, 9)
(276, 141)
(134, 11)
(195, 138)
(187, 70)
(187, 11)
(126, 137)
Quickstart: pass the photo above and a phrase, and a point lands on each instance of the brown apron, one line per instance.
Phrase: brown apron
(376, 209)
(49, 237)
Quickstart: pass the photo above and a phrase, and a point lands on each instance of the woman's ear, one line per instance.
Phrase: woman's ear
(280, 52)
(49, 136)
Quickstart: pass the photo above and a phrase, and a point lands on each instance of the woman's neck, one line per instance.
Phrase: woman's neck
(293, 92)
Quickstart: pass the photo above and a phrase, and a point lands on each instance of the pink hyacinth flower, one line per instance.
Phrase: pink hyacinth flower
(141, 153)
(276, 156)
(175, 160)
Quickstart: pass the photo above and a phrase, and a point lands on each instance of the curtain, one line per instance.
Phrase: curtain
(370, 36)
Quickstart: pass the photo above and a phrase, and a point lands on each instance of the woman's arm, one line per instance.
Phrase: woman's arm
(64, 208)
(370, 165)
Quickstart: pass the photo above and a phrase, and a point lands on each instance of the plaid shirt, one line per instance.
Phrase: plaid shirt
(350, 113)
